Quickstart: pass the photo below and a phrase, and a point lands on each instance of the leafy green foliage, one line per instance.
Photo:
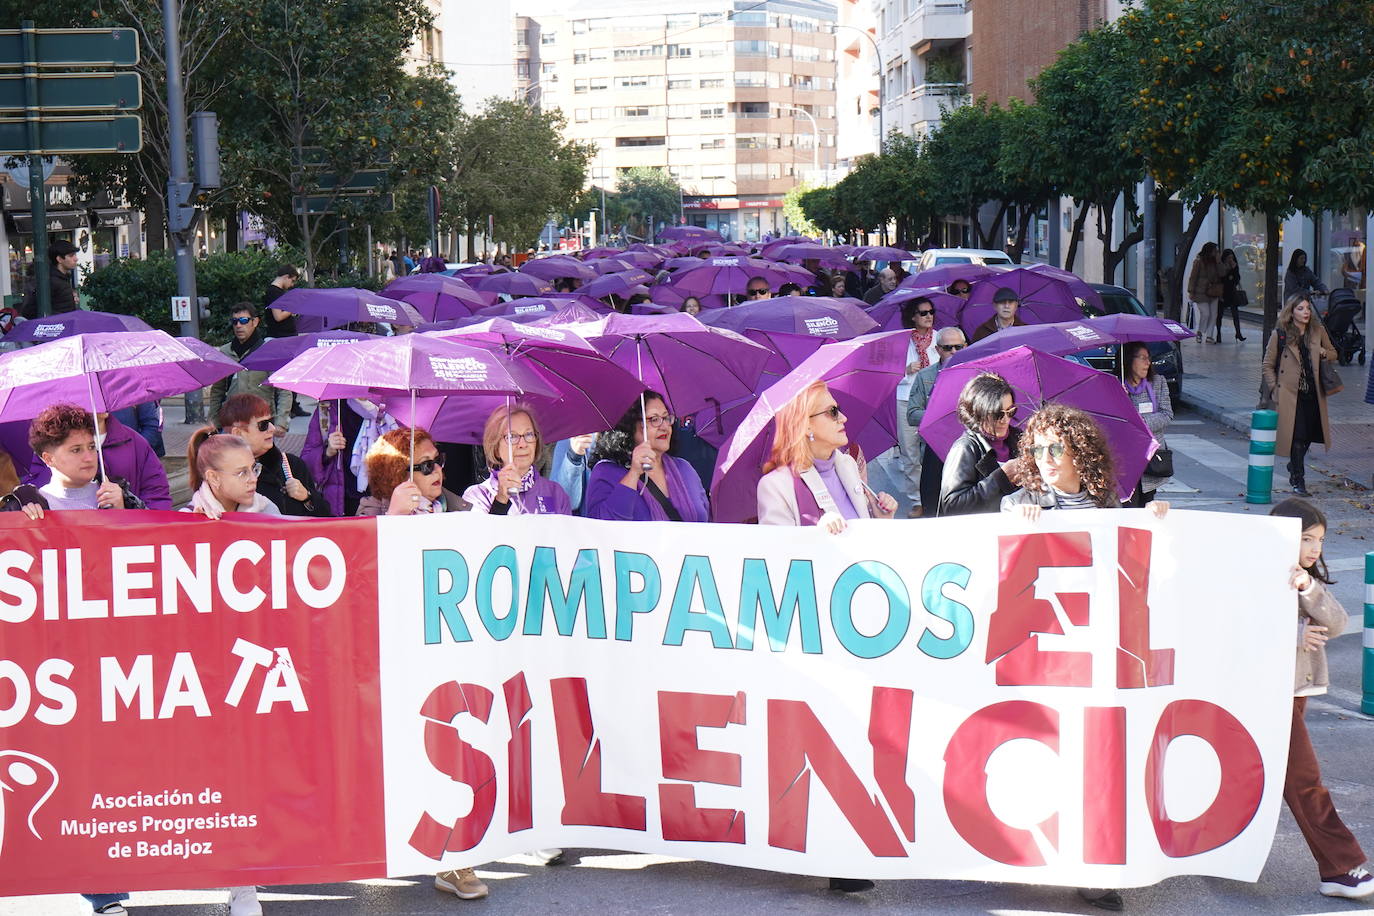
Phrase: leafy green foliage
(647, 192)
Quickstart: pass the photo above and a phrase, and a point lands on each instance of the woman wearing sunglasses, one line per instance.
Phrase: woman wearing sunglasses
(512, 444)
(809, 479)
(286, 480)
(982, 465)
(402, 482)
(635, 479)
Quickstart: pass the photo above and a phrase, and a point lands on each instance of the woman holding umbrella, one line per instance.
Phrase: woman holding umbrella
(635, 479)
(982, 465)
(399, 487)
(63, 437)
(285, 480)
(512, 443)
(809, 478)
(1150, 393)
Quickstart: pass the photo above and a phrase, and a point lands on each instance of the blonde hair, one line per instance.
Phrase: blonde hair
(204, 450)
(1285, 320)
(494, 432)
(791, 448)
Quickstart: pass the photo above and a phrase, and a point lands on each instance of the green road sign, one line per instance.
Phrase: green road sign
(75, 92)
(359, 181)
(320, 205)
(62, 136)
(72, 47)
(318, 157)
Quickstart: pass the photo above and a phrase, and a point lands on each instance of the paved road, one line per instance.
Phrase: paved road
(1210, 461)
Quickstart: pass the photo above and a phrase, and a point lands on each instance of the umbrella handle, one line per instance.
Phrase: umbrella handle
(646, 467)
(95, 422)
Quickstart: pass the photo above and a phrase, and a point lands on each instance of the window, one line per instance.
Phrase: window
(579, 57)
(600, 114)
(638, 141)
(598, 25)
(806, 53)
(638, 52)
(679, 51)
(599, 54)
(713, 172)
(713, 111)
(598, 84)
(751, 80)
(580, 115)
(522, 69)
(546, 69)
(680, 84)
(712, 49)
(642, 81)
(713, 143)
(639, 112)
(522, 39)
(548, 38)
(579, 87)
(750, 109)
(681, 111)
(678, 142)
(749, 18)
(712, 18)
(713, 83)
(751, 48)
(681, 21)
(751, 141)
(579, 26)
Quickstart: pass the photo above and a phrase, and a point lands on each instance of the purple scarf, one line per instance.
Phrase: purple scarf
(679, 494)
(1145, 389)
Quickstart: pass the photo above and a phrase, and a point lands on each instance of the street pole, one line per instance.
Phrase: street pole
(1149, 247)
(180, 214)
(815, 136)
(605, 223)
(38, 200)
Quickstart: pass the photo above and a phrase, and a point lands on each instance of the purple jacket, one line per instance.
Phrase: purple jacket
(607, 499)
(544, 497)
(329, 473)
(127, 455)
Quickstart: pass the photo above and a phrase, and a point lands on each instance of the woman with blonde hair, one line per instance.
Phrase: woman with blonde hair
(399, 486)
(1292, 384)
(809, 478)
(512, 444)
(224, 475)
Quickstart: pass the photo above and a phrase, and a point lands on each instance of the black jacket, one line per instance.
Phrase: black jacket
(272, 484)
(63, 295)
(973, 480)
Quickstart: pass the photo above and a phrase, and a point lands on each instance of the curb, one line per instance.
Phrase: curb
(1216, 412)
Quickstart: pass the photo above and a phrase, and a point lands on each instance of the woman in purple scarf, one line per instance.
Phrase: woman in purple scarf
(512, 442)
(635, 479)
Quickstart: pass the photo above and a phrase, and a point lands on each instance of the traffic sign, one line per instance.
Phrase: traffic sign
(364, 180)
(322, 204)
(63, 136)
(72, 47)
(74, 92)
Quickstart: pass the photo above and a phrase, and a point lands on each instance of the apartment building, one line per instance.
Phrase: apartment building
(857, 81)
(474, 49)
(735, 98)
(926, 48)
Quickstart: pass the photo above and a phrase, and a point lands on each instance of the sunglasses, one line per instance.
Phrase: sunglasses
(833, 411)
(925, 312)
(429, 465)
(961, 290)
(241, 320)
(951, 348)
(1055, 450)
(758, 292)
(263, 425)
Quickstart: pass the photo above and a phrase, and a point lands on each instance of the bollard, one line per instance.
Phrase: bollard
(1367, 702)
(1259, 481)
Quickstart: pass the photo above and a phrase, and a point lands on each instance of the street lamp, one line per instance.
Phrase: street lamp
(815, 134)
(882, 78)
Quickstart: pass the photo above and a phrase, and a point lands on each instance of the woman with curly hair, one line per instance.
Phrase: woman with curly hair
(635, 479)
(1065, 464)
(399, 487)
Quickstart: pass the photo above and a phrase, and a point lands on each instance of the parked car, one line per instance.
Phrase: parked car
(1167, 356)
(936, 256)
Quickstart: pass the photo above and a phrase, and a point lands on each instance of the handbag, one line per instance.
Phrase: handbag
(1214, 290)
(1161, 463)
(1330, 379)
(1242, 297)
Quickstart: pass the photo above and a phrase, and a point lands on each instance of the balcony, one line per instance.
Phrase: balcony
(922, 105)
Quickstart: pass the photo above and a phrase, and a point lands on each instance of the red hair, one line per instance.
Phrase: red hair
(388, 461)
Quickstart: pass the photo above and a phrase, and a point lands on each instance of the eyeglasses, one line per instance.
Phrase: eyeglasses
(264, 425)
(758, 292)
(951, 348)
(245, 319)
(660, 420)
(924, 312)
(833, 411)
(514, 438)
(1055, 450)
(243, 474)
(429, 465)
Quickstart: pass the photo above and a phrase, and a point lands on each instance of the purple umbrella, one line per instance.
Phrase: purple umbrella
(1044, 299)
(679, 357)
(881, 253)
(1037, 379)
(1064, 337)
(816, 316)
(644, 260)
(861, 373)
(810, 251)
(342, 305)
(55, 327)
(557, 267)
(612, 265)
(615, 284)
(562, 299)
(532, 305)
(477, 271)
(728, 275)
(514, 285)
(436, 297)
(945, 274)
(1080, 288)
(682, 263)
(888, 311)
(573, 313)
(590, 393)
(592, 254)
(691, 233)
(278, 351)
(769, 252)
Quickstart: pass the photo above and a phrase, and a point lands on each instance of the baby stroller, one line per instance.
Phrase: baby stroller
(1343, 310)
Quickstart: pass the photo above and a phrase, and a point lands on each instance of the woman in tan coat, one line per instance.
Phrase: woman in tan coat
(1293, 377)
(1205, 289)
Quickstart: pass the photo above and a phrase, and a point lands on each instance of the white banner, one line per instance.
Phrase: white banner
(1098, 699)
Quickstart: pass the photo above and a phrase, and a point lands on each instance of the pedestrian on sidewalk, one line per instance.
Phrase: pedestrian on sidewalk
(1232, 296)
(1205, 290)
(1340, 860)
(1299, 278)
(1292, 382)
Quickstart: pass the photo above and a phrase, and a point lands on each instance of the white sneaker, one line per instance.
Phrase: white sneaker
(243, 901)
(1355, 884)
(550, 856)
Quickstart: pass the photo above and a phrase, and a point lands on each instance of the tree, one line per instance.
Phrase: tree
(963, 158)
(648, 196)
(1025, 183)
(819, 207)
(795, 213)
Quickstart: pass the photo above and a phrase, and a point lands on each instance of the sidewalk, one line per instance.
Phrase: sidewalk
(1221, 381)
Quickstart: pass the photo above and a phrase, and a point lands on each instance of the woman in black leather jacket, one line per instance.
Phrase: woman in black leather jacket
(982, 466)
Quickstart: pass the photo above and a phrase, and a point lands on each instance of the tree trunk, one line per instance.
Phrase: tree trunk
(155, 222)
(1173, 303)
(1112, 258)
(1271, 277)
(1018, 248)
(231, 233)
(1076, 236)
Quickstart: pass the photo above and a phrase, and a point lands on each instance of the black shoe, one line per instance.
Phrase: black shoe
(1240, 338)
(850, 885)
(1301, 490)
(1104, 900)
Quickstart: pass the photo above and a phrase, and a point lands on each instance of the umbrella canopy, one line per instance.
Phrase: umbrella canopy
(514, 308)
(727, 275)
(692, 233)
(815, 316)
(55, 327)
(862, 374)
(435, 296)
(1064, 337)
(888, 311)
(769, 251)
(881, 253)
(514, 285)
(592, 254)
(666, 294)
(557, 267)
(1080, 288)
(105, 371)
(688, 363)
(811, 251)
(1044, 298)
(1037, 379)
(590, 393)
(945, 274)
(676, 264)
(612, 264)
(615, 284)
(278, 351)
(573, 313)
(479, 270)
(343, 305)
